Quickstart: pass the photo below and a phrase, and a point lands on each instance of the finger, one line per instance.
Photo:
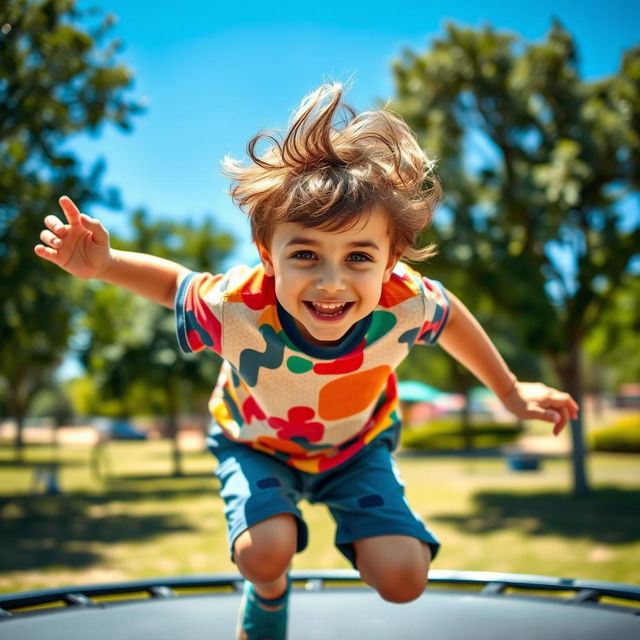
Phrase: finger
(99, 233)
(56, 225)
(559, 426)
(564, 400)
(555, 400)
(548, 415)
(47, 253)
(571, 407)
(557, 397)
(575, 406)
(552, 397)
(70, 210)
(50, 239)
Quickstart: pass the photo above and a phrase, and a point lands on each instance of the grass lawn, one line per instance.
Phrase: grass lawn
(140, 523)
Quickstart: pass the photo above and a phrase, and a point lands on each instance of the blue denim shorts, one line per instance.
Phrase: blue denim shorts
(365, 495)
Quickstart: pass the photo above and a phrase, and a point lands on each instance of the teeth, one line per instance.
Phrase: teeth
(328, 307)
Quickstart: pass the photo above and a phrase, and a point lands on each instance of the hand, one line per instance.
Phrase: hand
(80, 247)
(536, 401)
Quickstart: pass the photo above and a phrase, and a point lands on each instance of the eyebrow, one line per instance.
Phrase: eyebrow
(361, 244)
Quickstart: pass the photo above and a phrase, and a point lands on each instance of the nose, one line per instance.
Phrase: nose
(330, 278)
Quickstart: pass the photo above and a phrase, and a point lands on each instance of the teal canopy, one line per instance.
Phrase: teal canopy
(414, 391)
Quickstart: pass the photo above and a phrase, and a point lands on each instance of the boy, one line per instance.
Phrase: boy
(306, 403)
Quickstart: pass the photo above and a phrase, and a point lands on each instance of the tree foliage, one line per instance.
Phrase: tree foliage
(540, 171)
(58, 77)
(611, 345)
(131, 351)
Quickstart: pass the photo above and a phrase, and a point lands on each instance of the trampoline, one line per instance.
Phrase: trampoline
(331, 604)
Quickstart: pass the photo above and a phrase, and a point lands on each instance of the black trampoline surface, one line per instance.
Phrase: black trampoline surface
(333, 605)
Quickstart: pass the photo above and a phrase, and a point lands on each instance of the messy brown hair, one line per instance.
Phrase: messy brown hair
(326, 175)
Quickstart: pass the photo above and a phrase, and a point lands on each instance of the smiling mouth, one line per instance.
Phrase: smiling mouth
(328, 310)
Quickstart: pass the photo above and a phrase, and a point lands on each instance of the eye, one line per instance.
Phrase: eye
(305, 254)
(359, 257)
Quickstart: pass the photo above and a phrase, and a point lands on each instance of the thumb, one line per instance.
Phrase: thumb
(99, 233)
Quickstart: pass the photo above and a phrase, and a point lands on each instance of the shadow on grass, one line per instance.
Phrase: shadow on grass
(609, 515)
(161, 477)
(135, 488)
(46, 531)
(60, 533)
(46, 461)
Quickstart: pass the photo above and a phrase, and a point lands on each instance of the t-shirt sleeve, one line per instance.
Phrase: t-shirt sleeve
(436, 311)
(198, 309)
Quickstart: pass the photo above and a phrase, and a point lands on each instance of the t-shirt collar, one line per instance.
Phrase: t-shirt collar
(350, 341)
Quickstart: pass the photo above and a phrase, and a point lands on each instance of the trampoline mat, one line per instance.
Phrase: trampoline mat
(336, 613)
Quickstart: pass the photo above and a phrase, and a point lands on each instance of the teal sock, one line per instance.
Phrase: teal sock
(257, 623)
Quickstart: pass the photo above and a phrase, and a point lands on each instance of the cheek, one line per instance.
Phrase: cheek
(369, 285)
(289, 283)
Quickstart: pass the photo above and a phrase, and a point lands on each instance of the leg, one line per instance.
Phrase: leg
(263, 553)
(260, 493)
(265, 529)
(376, 529)
(395, 566)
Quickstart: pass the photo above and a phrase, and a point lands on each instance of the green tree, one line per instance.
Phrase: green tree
(538, 167)
(132, 351)
(58, 78)
(434, 367)
(617, 336)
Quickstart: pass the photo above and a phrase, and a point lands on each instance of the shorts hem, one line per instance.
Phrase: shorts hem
(346, 548)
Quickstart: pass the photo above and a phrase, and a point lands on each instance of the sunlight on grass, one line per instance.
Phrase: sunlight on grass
(139, 522)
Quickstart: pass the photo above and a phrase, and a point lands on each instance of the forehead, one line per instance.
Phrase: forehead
(372, 226)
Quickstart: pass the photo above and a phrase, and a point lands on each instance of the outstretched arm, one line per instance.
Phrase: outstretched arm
(465, 340)
(81, 247)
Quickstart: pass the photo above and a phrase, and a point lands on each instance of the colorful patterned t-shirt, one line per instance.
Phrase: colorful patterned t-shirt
(312, 407)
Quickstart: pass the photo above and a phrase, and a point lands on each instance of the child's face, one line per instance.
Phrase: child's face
(328, 280)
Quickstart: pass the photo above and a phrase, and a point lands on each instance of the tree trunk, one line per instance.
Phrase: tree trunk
(19, 442)
(172, 433)
(206, 425)
(467, 435)
(21, 391)
(172, 430)
(463, 381)
(570, 375)
(18, 411)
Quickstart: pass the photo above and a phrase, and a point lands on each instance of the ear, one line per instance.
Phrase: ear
(267, 262)
(391, 265)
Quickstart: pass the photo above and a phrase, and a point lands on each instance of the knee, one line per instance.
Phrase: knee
(395, 566)
(401, 583)
(263, 561)
(263, 552)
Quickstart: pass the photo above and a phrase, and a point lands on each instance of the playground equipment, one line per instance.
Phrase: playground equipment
(332, 604)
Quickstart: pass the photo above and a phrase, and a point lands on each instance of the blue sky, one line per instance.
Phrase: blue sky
(213, 74)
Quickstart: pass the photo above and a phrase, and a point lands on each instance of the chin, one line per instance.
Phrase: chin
(328, 338)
